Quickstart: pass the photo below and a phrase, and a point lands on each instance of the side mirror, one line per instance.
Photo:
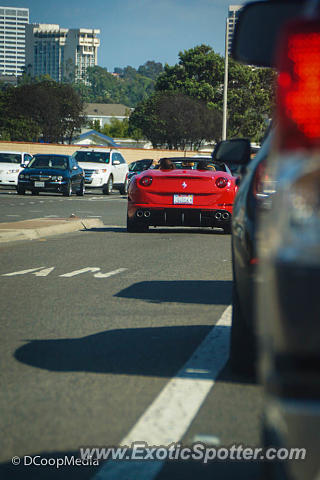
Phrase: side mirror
(116, 162)
(24, 165)
(232, 152)
(262, 21)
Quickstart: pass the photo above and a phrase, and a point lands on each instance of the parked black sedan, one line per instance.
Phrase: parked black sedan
(52, 173)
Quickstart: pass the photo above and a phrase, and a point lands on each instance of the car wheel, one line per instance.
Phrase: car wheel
(34, 192)
(20, 191)
(107, 188)
(242, 342)
(68, 190)
(81, 190)
(124, 187)
(133, 226)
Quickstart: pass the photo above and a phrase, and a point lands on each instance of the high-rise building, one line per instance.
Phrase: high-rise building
(59, 52)
(233, 14)
(12, 40)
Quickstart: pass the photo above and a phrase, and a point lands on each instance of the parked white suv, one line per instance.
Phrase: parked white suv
(104, 168)
(11, 164)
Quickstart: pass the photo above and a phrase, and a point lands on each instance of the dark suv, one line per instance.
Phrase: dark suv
(286, 320)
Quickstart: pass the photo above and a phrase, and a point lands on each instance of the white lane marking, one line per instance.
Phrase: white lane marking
(44, 272)
(51, 216)
(167, 419)
(109, 274)
(78, 272)
(21, 272)
(13, 215)
(93, 269)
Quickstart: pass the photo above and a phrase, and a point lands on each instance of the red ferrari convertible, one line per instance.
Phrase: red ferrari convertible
(192, 192)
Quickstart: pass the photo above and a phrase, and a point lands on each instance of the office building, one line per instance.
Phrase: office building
(64, 54)
(233, 13)
(12, 40)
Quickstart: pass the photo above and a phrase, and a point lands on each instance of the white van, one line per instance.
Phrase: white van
(104, 168)
(11, 164)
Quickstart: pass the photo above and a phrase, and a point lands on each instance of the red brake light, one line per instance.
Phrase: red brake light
(258, 182)
(146, 181)
(298, 96)
(221, 182)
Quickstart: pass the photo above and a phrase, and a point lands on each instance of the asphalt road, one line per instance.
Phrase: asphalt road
(15, 207)
(95, 332)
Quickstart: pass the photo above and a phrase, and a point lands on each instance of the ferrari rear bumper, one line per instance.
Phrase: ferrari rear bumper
(189, 217)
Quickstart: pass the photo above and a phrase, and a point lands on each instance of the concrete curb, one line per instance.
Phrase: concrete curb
(43, 227)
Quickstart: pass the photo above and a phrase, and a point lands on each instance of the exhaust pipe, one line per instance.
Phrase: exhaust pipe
(147, 213)
(217, 215)
(226, 216)
(139, 213)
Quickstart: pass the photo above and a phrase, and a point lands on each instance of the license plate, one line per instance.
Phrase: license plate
(39, 184)
(182, 199)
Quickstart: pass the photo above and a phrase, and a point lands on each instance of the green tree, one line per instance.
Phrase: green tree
(15, 124)
(200, 74)
(46, 108)
(70, 111)
(95, 125)
(129, 89)
(176, 120)
(116, 128)
(151, 69)
(145, 118)
(104, 87)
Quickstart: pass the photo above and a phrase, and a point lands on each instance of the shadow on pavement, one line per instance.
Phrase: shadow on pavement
(184, 291)
(105, 229)
(158, 351)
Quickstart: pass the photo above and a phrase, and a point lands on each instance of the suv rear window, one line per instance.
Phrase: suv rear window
(94, 157)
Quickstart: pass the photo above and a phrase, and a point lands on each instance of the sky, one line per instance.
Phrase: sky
(135, 31)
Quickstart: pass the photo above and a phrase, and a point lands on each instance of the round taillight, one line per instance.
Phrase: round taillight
(221, 182)
(146, 181)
